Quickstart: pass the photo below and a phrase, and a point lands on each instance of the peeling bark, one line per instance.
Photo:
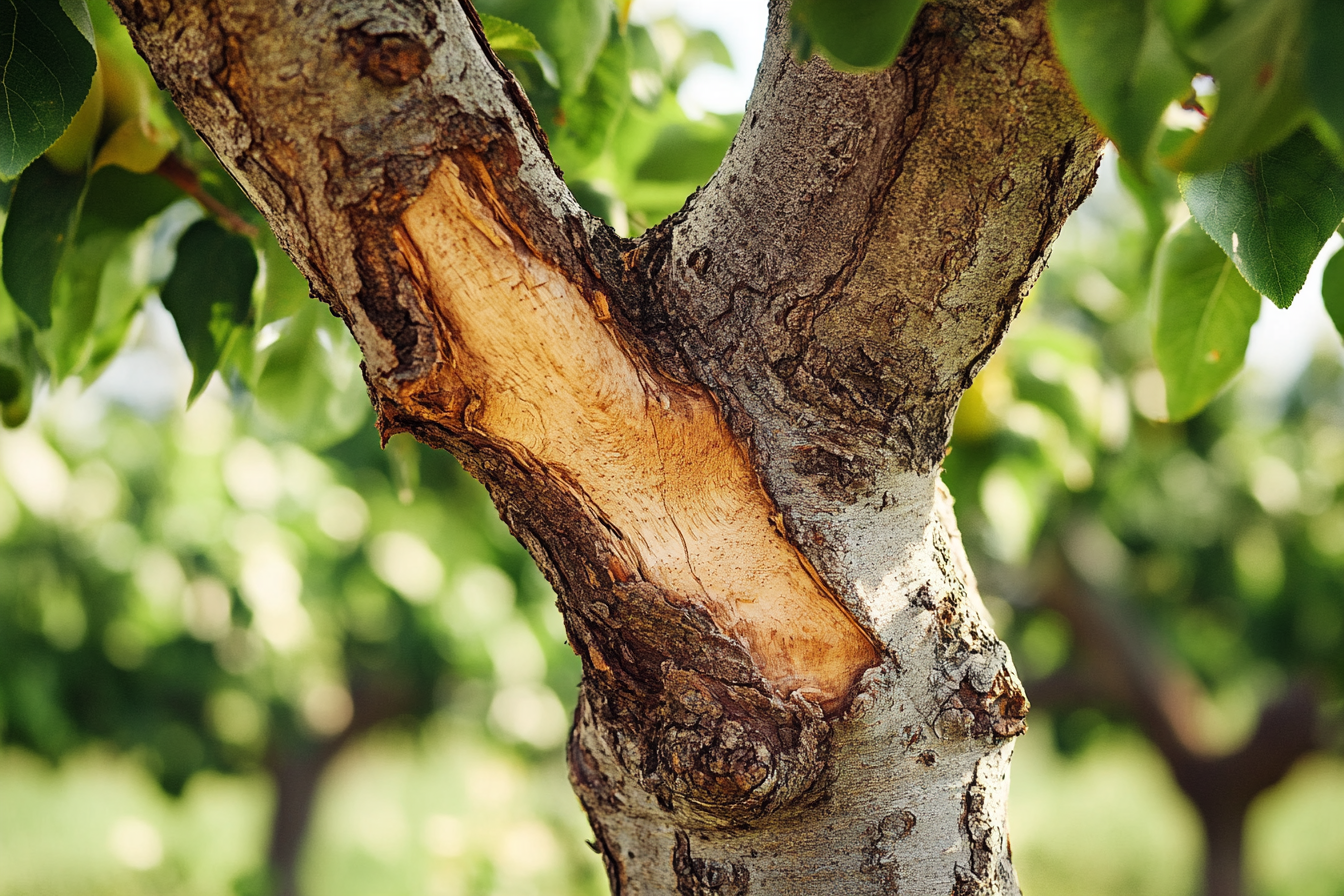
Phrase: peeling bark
(719, 441)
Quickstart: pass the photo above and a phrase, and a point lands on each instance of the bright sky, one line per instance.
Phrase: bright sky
(741, 25)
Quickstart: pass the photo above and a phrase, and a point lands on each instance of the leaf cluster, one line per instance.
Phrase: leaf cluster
(113, 202)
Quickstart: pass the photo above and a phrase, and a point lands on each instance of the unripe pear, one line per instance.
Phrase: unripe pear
(137, 145)
(137, 134)
(124, 86)
(70, 152)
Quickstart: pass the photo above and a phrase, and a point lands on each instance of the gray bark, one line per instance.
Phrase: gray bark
(720, 441)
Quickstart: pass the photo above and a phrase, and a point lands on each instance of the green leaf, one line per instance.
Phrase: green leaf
(49, 66)
(854, 35)
(573, 32)
(1123, 64)
(1273, 213)
(575, 35)
(590, 116)
(1202, 322)
(43, 216)
(1332, 290)
(209, 294)
(122, 288)
(1325, 65)
(122, 200)
(506, 35)
(689, 152)
(310, 389)
(75, 304)
(1257, 59)
(1187, 18)
(286, 290)
(78, 13)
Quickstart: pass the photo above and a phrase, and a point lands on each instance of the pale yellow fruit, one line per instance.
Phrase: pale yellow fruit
(70, 152)
(125, 87)
(137, 145)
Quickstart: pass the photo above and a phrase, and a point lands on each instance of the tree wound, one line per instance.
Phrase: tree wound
(533, 365)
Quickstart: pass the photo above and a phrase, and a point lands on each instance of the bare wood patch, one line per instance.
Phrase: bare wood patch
(538, 368)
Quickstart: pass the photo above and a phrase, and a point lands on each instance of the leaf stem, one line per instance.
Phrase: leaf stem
(176, 172)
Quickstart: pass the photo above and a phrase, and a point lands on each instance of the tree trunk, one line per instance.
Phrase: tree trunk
(720, 441)
(296, 766)
(295, 773)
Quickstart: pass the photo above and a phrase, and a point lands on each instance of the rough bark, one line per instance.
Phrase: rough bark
(720, 441)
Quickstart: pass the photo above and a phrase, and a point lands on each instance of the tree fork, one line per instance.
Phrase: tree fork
(720, 441)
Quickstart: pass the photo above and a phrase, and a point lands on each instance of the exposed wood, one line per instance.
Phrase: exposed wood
(538, 369)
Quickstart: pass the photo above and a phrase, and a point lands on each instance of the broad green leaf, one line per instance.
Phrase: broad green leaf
(689, 152)
(590, 116)
(1257, 59)
(1187, 18)
(573, 32)
(18, 366)
(99, 288)
(1203, 311)
(1272, 213)
(854, 35)
(1123, 64)
(43, 217)
(310, 389)
(577, 32)
(75, 302)
(122, 289)
(1325, 66)
(49, 66)
(701, 47)
(1332, 290)
(209, 294)
(286, 290)
(78, 13)
(122, 200)
(506, 35)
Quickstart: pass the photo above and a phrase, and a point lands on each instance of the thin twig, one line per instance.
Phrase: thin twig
(176, 172)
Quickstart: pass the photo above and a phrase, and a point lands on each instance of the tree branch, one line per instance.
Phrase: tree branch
(868, 239)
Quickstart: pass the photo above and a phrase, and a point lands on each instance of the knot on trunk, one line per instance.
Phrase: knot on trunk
(981, 694)
(689, 716)
(731, 752)
(1000, 710)
(393, 60)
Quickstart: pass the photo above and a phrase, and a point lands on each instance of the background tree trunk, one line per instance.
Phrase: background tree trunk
(1124, 666)
(721, 440)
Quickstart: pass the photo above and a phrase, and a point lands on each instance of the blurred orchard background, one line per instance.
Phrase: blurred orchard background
(245, 650)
